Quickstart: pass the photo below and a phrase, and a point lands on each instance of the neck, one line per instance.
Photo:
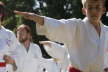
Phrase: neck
(97, 27)
(26, 44)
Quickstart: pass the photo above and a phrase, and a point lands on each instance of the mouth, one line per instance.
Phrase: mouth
(94, 17)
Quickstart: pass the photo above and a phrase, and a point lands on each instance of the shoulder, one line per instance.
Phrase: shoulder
(36, 50)
(34, 45)
(72, 23)
(63, 21)
(7, 31)
(72, 20)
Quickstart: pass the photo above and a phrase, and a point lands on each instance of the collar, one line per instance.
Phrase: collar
(86, 21)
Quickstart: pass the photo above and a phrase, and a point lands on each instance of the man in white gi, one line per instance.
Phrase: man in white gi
(8, 43)
(28, 53)
(58, 52)
(85, 39)
(29, 57)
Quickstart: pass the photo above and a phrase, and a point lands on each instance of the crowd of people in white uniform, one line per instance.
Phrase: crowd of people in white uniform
(85, 41)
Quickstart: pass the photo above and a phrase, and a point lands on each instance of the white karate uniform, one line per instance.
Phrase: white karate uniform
(59, 52)
(84, 45)
(48, 65)
(106, 54)
(32, 60)
(106, 59)
(8, 43)
(28, 61)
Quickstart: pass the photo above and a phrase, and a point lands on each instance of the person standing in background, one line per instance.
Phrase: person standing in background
(8, 43)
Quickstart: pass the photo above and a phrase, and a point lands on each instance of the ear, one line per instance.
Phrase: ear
(104, 10)
(84, 11)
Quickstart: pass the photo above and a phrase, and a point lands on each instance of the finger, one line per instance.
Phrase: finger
(26, 15)
(20, 13)
(6, 60)
(45, 42)
(5, 56)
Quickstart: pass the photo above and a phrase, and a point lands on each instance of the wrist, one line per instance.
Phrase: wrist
(39, 19)
(14, 66)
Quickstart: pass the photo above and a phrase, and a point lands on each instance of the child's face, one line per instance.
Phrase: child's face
(94, 10)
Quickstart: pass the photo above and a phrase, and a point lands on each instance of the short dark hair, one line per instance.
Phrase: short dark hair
(84, 2)
(2, 10)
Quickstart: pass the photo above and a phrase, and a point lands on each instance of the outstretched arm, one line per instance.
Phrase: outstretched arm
(31, 16)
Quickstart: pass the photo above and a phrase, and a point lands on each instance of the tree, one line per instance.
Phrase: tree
(11, 20)
(61, 8)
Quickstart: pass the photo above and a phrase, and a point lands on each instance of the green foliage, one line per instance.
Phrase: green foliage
(61, 8)
(11, 20)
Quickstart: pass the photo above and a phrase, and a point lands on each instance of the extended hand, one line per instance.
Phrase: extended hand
(47, 43)
(26, 15)
(31, 16)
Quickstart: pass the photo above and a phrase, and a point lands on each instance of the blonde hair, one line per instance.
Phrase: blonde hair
(83, 2)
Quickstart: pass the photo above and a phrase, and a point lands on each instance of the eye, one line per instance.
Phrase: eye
(90, 8)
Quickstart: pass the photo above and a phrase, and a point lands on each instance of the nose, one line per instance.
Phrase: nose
(94, 11)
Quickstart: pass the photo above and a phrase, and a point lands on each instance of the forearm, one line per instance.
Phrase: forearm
(14, 66)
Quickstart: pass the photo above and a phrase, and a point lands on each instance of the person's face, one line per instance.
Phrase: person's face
(23, 35)
(94, 10)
